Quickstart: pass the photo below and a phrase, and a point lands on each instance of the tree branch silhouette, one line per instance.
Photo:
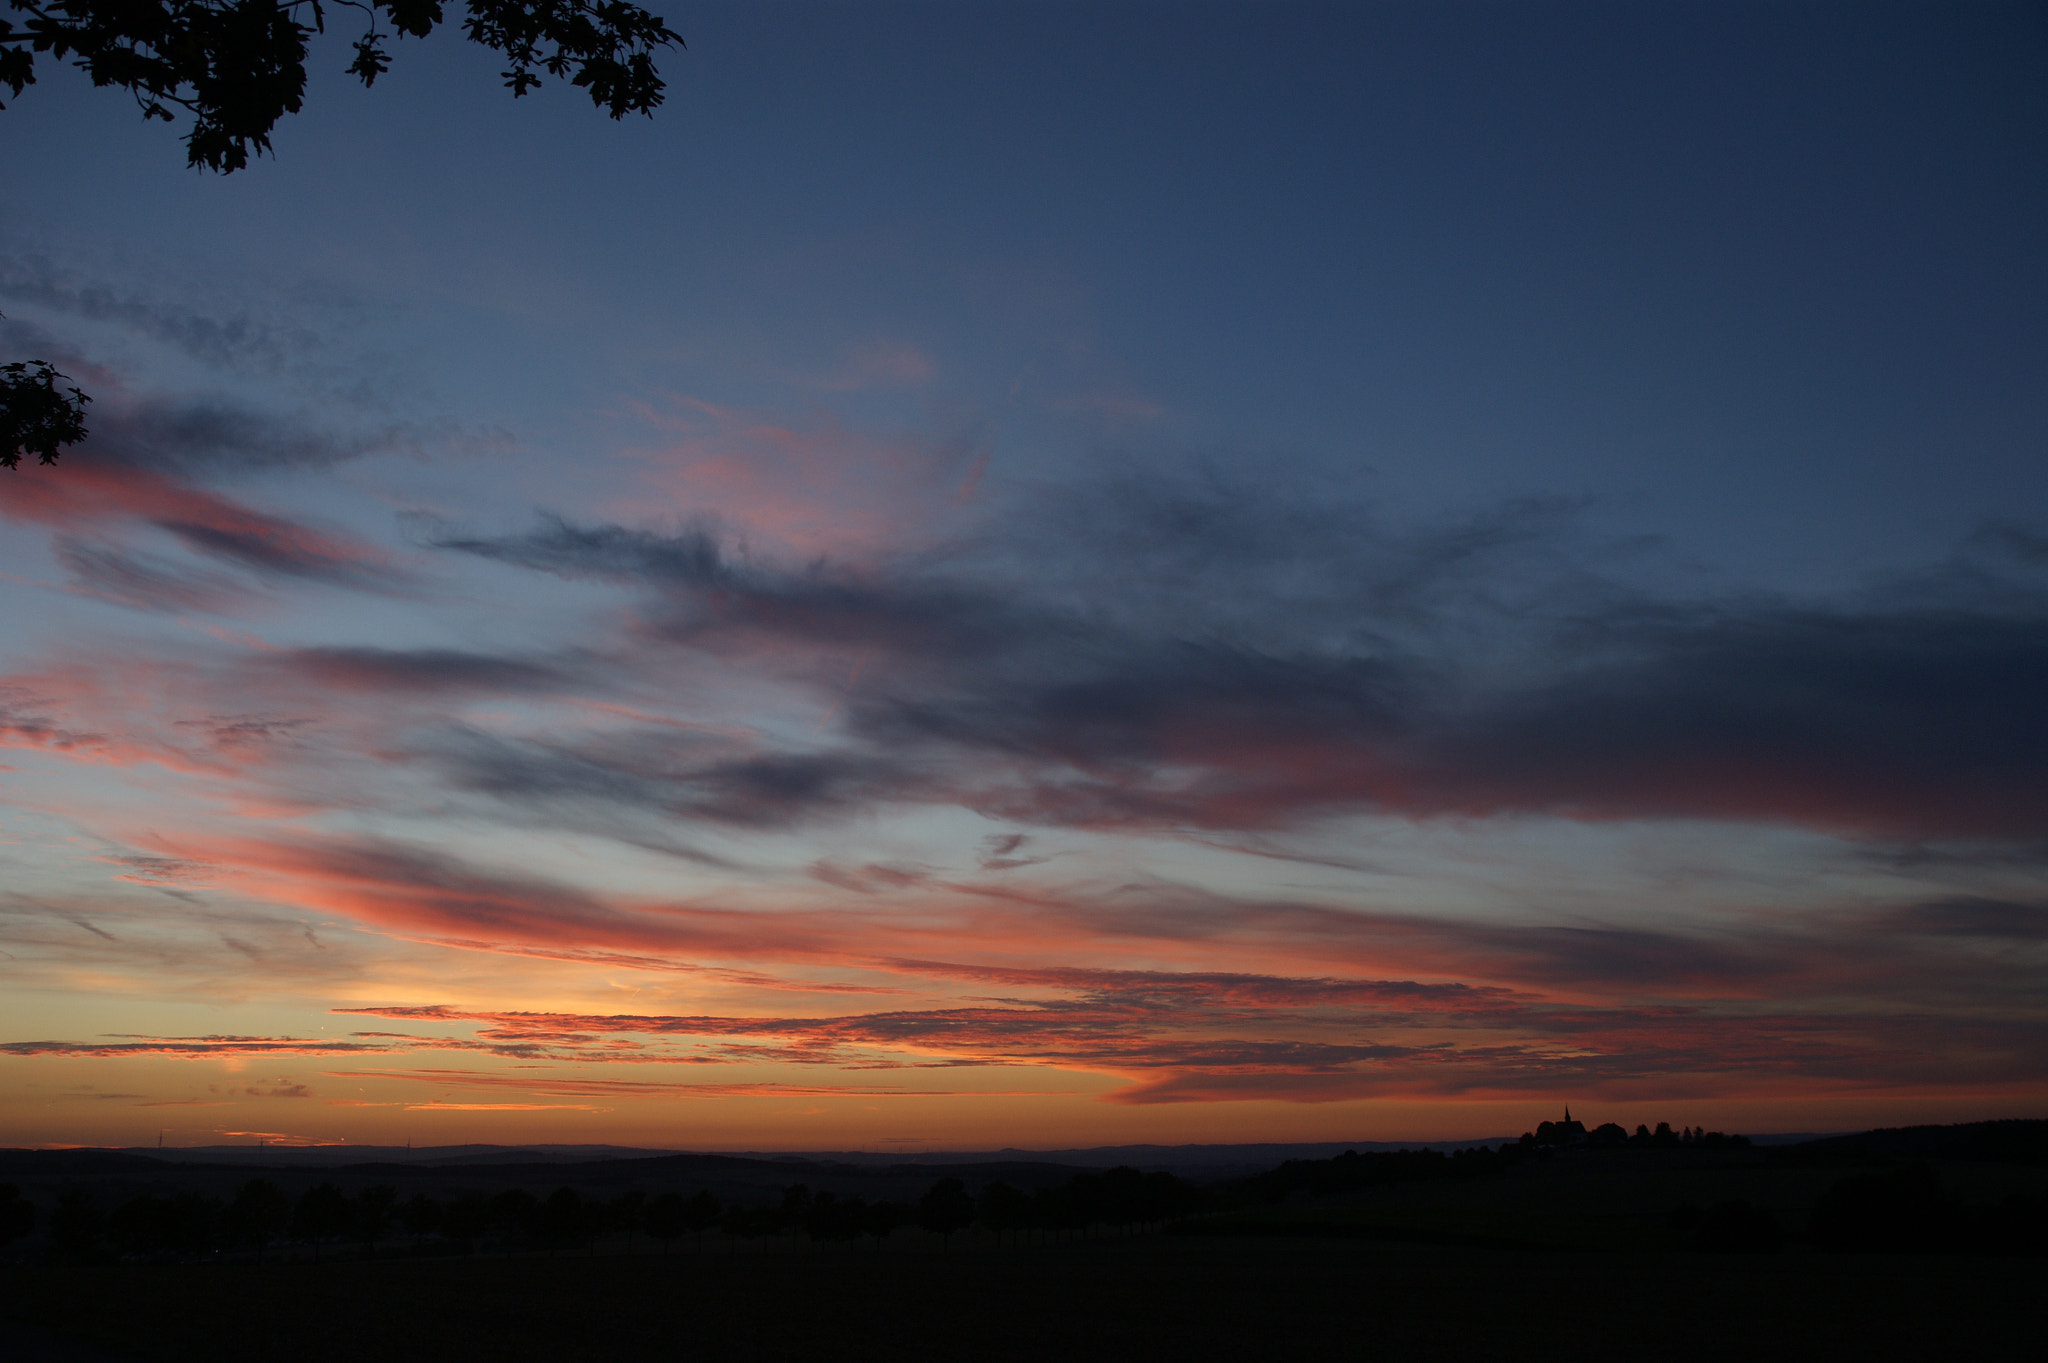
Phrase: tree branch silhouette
(36, 416)
(238, 66)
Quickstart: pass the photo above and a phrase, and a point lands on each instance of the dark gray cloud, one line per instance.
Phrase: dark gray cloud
(424, 670)
(682, 775)
(710, 592)
(218, 435)
(1990, 919)
(227, 339)
(1209, 658)
(1912, 723)
(272, 547)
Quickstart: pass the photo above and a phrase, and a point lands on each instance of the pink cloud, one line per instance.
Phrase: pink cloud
(804, 491)
(90, 495)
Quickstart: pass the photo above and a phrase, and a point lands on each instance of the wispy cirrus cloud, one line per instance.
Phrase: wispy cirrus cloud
(222, 336)
(207, 524)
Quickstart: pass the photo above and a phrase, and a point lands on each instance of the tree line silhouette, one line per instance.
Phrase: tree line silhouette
(1896, 1208)
(1613, 1135)
(261, 1220)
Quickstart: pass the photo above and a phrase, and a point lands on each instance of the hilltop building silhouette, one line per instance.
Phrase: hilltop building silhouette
(1565, 1133)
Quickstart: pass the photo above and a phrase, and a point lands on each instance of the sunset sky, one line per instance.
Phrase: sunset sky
(1043, 575)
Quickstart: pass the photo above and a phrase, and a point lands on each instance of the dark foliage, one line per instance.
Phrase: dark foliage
(1610, 1135)
(420, 1216)
(467, 1219)
(36, 416)
(259, 1214)
(17, 1215)
(2011, 1141)
(668, 1216)
(1352, 1170)
(513, 1213)
(946, 1208)
(749, 1223)
(78, 1229)
(150, 1227)
(369, 1215)
(878, 1220)
(562, 1218)
(238, 66)
(1003, 1209)
(701, 1213)
(834, 1219)
(321, 1214)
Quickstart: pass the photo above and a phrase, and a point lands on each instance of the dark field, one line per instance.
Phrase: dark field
(1137, 1298)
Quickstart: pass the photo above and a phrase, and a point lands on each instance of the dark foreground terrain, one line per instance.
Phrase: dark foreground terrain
(1142, 1297)
(1914, 1243)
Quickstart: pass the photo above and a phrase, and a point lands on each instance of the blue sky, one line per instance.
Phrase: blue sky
(1533, 499)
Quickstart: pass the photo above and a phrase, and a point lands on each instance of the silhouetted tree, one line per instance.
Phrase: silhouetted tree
(153, 1227)
(1003, 1210)
(945, 1208)
(321, 1214)
(1059, 1209)
(796, 1206)
(36, 416)
(258, 1215)
(238, 66)
(749, 1223)
(467, 1218)
(141, 1226)
(561, 1218)
(17, 1214)
(667, 1217)
(369, 1216)
(627, 1212)
(878, 1220)
(421, 1217)
(1352, 1170)
(701, 1214)
(77, 1227)
(514, 1213)
(834, 1219)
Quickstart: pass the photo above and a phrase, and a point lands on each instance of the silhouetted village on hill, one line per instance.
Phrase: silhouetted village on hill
(1569, 1134)
(1654, 1194)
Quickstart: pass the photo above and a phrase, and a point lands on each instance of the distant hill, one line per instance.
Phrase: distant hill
(2010, 1142)
(2014, 1141)
(1203, 1162)
(334, 1156)
(65, 1163)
